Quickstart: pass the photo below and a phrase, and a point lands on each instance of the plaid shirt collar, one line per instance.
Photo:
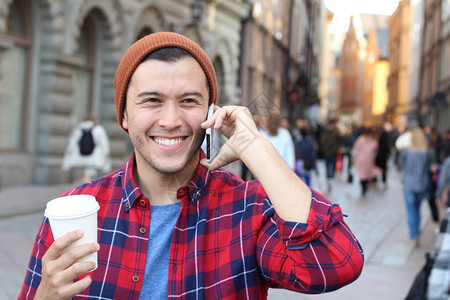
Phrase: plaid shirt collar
(131, 191)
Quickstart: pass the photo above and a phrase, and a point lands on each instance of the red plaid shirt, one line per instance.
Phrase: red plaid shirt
(228, 242)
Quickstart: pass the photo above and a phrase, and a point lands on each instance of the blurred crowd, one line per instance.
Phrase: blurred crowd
(366, 154)
(362, 152)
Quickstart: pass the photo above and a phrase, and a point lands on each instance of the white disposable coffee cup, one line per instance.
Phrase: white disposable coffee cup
(75, 212)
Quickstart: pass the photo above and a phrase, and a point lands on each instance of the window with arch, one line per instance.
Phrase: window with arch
(82, 94)
(14, 78)
(220, 75)
(143, 32)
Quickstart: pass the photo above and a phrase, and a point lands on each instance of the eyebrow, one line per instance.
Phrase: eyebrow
(154, 93)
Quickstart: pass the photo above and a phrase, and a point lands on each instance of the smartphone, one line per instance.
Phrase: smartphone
(210, 136)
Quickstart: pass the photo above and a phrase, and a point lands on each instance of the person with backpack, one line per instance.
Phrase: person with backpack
(88, 149)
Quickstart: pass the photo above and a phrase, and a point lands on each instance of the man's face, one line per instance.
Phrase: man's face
(166, 103)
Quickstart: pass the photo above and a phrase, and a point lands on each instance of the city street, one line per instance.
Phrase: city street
(378, 221)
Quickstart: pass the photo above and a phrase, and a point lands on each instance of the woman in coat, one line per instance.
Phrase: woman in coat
(363, 153)
(415, 163)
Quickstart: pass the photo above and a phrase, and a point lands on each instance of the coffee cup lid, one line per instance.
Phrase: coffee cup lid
(69, 207)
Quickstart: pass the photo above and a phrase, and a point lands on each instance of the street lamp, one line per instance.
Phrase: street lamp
(197, 7)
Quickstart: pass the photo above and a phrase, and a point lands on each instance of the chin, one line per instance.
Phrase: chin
(170, 166)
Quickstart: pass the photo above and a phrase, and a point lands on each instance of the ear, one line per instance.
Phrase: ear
(125, 120)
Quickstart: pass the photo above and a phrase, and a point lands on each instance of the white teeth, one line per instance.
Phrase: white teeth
(168, 142)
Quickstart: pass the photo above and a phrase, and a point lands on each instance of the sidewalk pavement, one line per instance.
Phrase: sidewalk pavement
(21, 200)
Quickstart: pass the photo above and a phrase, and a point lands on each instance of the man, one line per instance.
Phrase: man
(330, 140)
(173, 226)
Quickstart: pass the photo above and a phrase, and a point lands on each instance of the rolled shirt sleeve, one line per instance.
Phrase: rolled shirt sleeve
(318, 256)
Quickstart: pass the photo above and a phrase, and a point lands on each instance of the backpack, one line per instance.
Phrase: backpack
(86, 142)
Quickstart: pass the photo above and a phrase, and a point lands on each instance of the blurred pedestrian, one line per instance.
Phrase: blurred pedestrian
(305, 155)
(88, 148)
(348, 139)
(402, 141)
(285, 123)
(330, 140)
(443, 191)
(363, 153)
(296, 131)
(280, 138)
(415, 163)
(435, 143)
(434, 148)
(445, 145)
(384, 151)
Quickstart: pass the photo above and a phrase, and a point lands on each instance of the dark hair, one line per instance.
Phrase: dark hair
(273, 123)
(168, 54)
(171, 54)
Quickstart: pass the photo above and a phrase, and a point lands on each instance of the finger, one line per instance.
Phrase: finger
(61, 243)
(61, 285)
(211, 120)
(207, 123)
(72, 255)
(72, 289)
(222, 114)
(78, 269)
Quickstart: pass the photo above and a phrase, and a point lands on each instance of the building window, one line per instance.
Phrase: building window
(14, 79)
(82, 94)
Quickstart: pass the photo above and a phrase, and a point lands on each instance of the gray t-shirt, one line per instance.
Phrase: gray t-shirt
(162, 223)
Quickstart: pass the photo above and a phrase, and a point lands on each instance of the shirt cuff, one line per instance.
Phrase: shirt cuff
(322, 216)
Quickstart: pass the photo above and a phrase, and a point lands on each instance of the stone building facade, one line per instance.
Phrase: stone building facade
(57, 64)
(433, 103)
(426, 113)
(280, 56)
(399, 59)
(441, 100)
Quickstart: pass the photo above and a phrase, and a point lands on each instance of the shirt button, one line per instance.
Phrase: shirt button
(194, 195)
(142, 230)
(143, 202)
(127, 204)
(135, 278)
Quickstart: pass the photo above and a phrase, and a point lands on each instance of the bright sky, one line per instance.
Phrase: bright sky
(343, 9)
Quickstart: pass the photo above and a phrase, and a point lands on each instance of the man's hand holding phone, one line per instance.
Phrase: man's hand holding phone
(237, 125)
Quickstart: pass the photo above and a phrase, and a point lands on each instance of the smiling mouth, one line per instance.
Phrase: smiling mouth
(168, 142)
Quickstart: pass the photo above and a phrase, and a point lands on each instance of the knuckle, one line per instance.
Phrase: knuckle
(73, 254)
(77, 269)
(55, 285)
(58, 245)
(62, 293)
(49, 270)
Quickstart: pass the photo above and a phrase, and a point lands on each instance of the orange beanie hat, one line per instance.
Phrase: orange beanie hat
(143, 47)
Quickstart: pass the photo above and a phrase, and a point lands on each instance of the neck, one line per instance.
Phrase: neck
(161, 188)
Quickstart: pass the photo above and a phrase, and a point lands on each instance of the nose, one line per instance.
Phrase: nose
(170, 117)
